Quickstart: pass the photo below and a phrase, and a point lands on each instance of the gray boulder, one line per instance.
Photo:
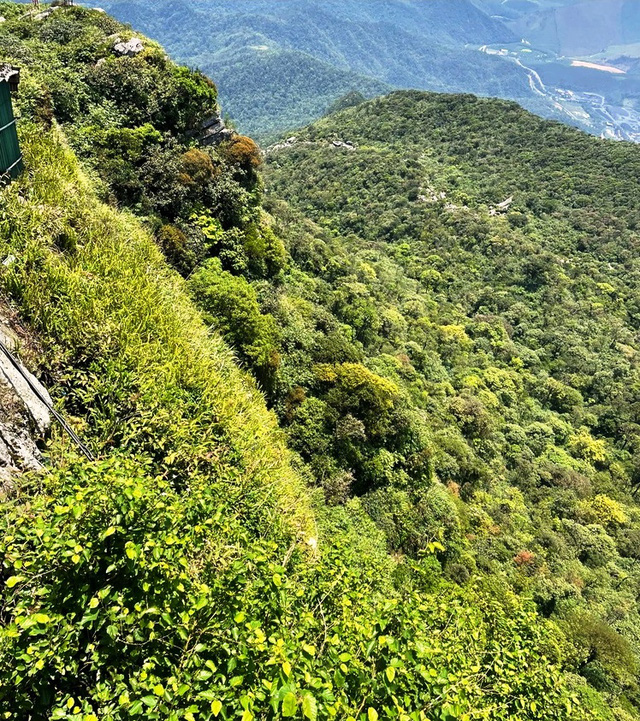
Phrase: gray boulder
(130, 48)
(214, 131)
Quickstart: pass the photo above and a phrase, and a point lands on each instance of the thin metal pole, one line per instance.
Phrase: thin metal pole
(72, 434)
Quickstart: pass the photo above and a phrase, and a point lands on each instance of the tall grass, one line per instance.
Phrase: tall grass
(127, 354)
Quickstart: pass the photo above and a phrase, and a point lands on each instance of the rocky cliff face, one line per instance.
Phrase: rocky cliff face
(214, 131)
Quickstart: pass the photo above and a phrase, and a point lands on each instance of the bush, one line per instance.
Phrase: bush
(230, 304)
(605, 654)
(243, 152)
(123, 597)
(175, 246)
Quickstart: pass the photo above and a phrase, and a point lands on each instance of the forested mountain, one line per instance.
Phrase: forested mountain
(365, 421)
(264, 50)
(484, 263)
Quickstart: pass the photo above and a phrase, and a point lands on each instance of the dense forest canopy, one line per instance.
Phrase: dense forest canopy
(483, 264)
(434, 296)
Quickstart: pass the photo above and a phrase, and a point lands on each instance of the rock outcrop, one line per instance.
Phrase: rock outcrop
(214, 131)
(128, 49)
(24, 417)
(45, 13)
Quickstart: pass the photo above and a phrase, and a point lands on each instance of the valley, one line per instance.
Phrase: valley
(308, 55)
(575, 104)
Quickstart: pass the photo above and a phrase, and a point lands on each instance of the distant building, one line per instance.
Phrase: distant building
(10, 155)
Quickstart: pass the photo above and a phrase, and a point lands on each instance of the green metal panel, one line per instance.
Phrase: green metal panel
(10, 156)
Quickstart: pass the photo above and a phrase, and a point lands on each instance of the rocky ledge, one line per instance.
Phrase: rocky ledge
(24, 417)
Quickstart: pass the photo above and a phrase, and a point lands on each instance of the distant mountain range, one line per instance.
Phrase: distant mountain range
(281, 64)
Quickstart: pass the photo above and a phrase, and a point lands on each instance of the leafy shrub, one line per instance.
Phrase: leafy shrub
(243, 152)
(230, 304)
(175, 246)
(125, 597)
(355, 389)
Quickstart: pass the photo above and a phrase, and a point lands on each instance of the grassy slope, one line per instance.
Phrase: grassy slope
(120, 330)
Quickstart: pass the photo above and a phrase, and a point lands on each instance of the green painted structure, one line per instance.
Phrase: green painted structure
(10, 155)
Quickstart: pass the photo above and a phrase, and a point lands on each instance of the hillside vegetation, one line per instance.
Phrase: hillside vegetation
(191, 572)
(475, 270)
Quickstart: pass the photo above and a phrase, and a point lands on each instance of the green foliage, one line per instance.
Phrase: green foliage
(175, 246)
(135, 121)
(127, 350)
(230, 304)
(606, 656)
(349, 100)
(165, 580)
(188, 573)
(175, 612)
(512, 345)
(355, 389)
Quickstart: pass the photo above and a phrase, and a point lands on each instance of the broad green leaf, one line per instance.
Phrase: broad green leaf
(289, 704)
(14, 580)
(309, 707)
(390, 673)
(200, 603)
(372, 714)
(216, 707)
